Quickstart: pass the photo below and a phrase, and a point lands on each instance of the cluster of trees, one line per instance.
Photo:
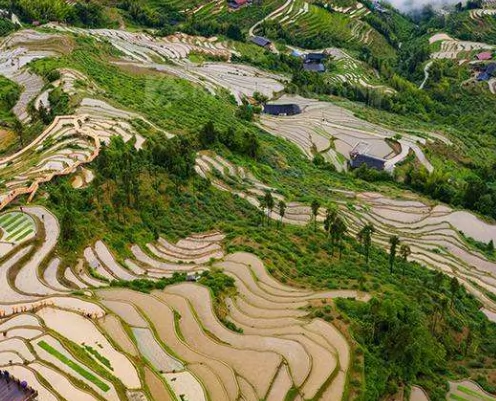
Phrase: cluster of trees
(88, 13)
(6, 26)
(147, 286)
(477, 192)
(214, 28)
(241, 142)
(9, 93)
(162, 16)
(58, 105)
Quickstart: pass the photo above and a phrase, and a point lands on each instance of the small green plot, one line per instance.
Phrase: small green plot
(474, 393)
(25, 234)
(18, 223)
(19, 231)
(11, 220)
(74, 366)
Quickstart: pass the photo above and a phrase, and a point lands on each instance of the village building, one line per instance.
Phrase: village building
(235, 4)
(487, 73)
(282, 109)
(358, 159)
(484, 56)
(261, 41)
(314, 62)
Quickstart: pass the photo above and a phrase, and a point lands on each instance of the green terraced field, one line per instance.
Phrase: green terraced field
(16, 226)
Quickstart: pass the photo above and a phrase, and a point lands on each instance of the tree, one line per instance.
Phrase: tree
(405, 251)
(208, 134)
(315, 211)
(19, 131)
(282, 209)
(263, 206)
(338, 230)
(454, 289)
(365, 238)
(394, 241)
(269, 203)
(234, 32)
(490, 246)
(331, 215)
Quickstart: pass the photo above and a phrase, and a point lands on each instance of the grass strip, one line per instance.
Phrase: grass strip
(98, 356)
(18, 223)
(457, 397)
(12, 222)
(5, 217)
(475, 393)
(74, 366)
(19, 231)
(25, 234)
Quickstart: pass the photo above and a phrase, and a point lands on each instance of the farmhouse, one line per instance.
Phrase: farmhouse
(235, 4)
(487, 73)
(484, 56)
(314, 62)
(282, 109)
(315, 58)
(358, 159)
(262, 42)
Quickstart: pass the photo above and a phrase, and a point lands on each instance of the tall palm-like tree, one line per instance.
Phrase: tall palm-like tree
(331, 215)
(338, 229)
(405, 251)
(394, 241)
(282, 209)
(315, 211)
(365, 238)
(262, 205)
(269, 203)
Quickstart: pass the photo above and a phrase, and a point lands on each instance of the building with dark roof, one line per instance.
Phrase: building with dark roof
(314, 67)
(236, 3)
(359, 159)
(314, 62)
(12, 389)
(282, 109)
(488, 73)
(260, 41)
(315, 57)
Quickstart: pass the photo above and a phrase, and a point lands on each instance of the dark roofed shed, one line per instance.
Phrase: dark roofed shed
(259, 40)
(282, 109)
(360, 159)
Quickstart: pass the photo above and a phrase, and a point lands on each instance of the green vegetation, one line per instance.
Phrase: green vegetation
(93, 352)
(474, 393)
(84, 13)
(420, 326)
(9, 94)
(74, 366)
(6, 27)
(409, 302)
(146, 286)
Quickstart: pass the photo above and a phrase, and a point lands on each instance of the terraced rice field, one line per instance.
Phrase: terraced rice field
(15, 227)
(334, 132)
(433, 232)
(456, 49)
(308, 22)
(175, 332)
(468, 391)
(224, 362)
(70, 141)
(354, 71)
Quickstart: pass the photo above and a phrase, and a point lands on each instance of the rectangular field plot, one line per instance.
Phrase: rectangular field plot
(16, 227)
